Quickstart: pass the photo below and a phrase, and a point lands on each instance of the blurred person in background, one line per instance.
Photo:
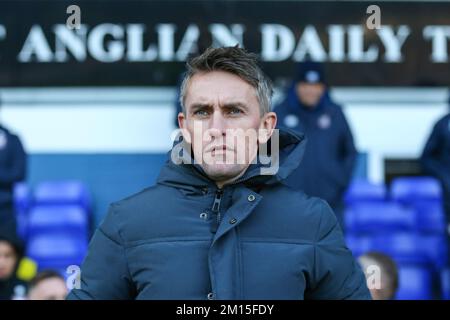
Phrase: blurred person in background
(12, 170)
(436, 159)
(330, 154)
(11, 252)
(47, 285)
(382, 286)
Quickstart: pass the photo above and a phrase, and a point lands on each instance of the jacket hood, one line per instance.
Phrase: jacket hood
(2, 128)
(190, 176)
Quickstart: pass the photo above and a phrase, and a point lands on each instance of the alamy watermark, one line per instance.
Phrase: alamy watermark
(373, 277)
(374, 20)
(73, 280)
(74, 20)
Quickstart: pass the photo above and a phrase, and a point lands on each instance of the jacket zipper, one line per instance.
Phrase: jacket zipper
(216, 207)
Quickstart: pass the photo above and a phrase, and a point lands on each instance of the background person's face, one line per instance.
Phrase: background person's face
(49, 289)
(8, 260)
(217, 102)
(309, 94)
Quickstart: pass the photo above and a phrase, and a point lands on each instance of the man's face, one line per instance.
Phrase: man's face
(309, 93)
(223, 109)
(8, 260)
(49, 289)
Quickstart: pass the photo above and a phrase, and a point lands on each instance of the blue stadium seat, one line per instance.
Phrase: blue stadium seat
(445, 283)
(403, 247)
(22, 203)
(424, 194)
(365, 191)
(359, 245)
(56, 251)
(64, 218)
(22, 196)
(435, 247)
(409, 189)
(62, 192)
(22, 224)
(415, 283)
(430, 216)
(379, 217)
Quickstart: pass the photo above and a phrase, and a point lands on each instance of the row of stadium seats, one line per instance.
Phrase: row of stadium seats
(412, 204)
(54, 221)
(406, 223)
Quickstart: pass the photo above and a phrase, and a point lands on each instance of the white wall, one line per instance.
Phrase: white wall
(391, 122)
(91, 120)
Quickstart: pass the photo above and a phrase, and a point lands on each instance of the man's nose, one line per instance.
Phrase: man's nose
(217, 126)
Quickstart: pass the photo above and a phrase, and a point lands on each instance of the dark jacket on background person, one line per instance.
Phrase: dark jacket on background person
(12, 170)
(436, 157)
(330, 155)
(254, 239)
(12, 286)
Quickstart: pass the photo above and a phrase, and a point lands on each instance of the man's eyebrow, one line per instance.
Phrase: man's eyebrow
(198, 106)
(235, 105)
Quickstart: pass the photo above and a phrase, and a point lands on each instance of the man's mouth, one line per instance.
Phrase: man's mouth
(219, 150)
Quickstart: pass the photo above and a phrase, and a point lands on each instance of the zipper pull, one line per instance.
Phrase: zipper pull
(217, 199)
(216, 209)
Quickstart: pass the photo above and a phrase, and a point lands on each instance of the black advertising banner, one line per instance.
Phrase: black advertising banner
(144, 43)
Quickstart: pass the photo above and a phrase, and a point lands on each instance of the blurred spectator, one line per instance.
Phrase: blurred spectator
(11, 252)
(12, 170)
(330, 154)
(436, 159)
(47, 285)
(382, 286)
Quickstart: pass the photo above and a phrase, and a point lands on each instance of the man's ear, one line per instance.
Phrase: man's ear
(267, 125)
(182, 123)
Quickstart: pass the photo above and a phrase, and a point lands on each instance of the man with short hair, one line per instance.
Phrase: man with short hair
(381, 273)
(220, 224)
(47, 285)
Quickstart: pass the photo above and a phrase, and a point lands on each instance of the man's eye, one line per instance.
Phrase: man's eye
(234, 111)
(201, 113)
